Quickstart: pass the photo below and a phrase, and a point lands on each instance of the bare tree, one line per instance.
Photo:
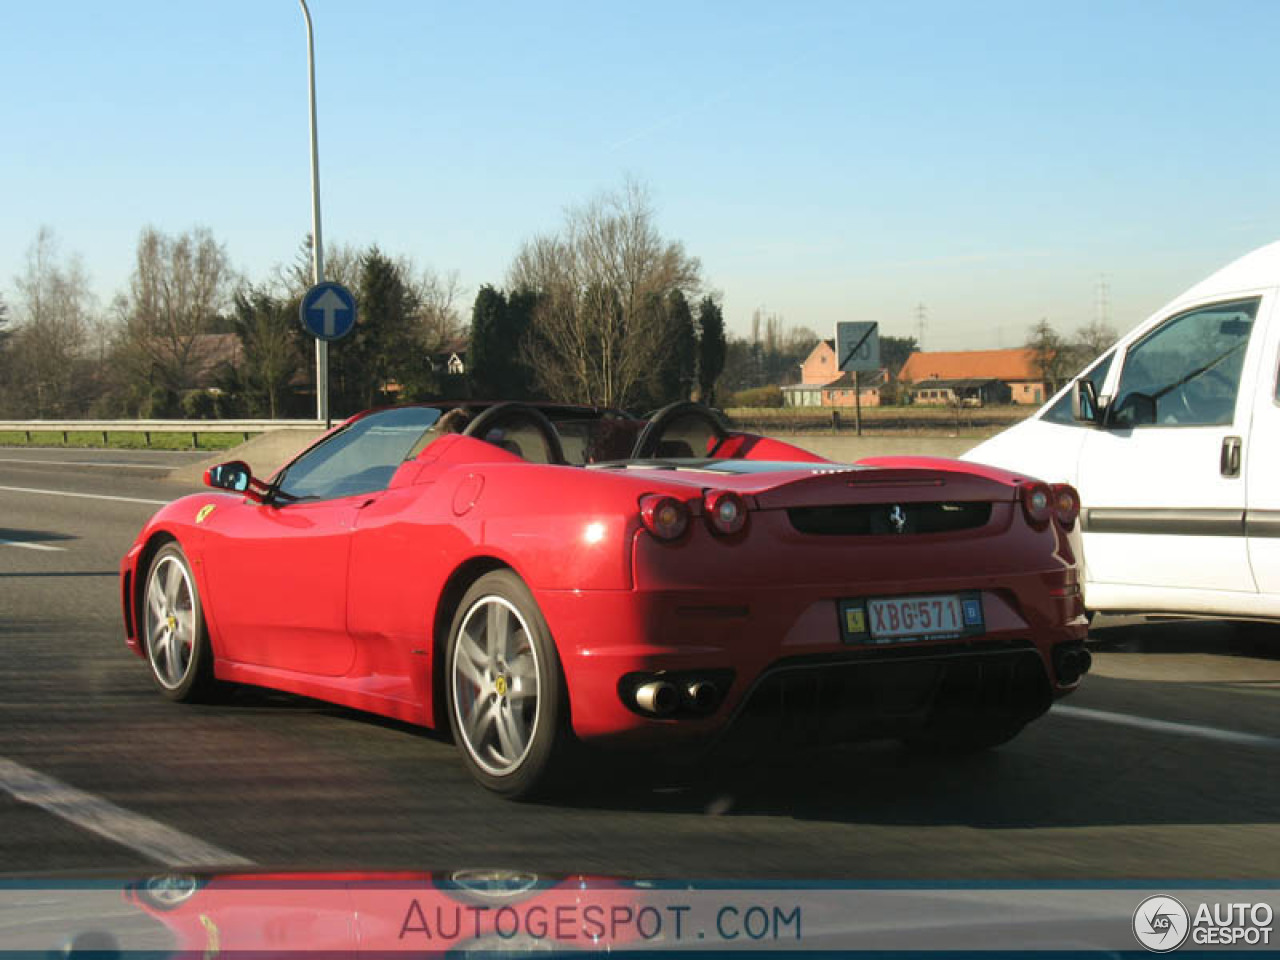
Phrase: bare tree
(1050, 354)
(437, 296)
(54, 310)
(595, 335)
(1094, 338)
(180, 286)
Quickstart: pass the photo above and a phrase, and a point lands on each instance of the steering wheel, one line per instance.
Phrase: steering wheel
(652, 435)
(1200, 397)
(513, 412)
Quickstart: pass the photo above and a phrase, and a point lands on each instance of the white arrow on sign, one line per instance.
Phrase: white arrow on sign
(329, 303)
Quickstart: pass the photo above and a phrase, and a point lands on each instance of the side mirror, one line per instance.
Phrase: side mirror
(234, 476)
(1084, 402)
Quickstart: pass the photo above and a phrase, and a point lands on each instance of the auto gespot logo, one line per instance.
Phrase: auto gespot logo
(1162, 924)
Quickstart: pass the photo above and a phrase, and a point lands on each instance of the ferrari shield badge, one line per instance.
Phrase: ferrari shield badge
(207, 509)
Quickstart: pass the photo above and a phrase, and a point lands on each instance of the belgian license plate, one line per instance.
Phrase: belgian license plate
(897, 619)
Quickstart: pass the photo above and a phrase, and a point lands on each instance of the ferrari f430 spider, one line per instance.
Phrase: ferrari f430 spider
(553, 576)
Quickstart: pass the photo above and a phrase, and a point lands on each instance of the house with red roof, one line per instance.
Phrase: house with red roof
(975, 377)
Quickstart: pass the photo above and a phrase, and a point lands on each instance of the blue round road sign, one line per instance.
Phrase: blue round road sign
(328, 311)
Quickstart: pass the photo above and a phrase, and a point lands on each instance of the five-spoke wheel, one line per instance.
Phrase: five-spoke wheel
(173, 629)
(504, 686)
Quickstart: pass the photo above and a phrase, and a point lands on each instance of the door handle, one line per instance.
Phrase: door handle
(1229, 464)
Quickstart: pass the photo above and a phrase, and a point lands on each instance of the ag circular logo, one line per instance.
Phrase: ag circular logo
(1161, 923)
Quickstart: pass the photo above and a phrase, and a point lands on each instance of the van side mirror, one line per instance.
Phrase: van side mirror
(1084, 402)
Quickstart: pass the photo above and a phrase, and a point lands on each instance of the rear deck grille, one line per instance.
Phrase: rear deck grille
(865, 519)
(886, 696)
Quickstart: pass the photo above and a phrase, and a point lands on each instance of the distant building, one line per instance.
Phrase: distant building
(1016, 368)
(966, 393)
(824, 384)
(210, 357)
(451, 358)
(820, 366)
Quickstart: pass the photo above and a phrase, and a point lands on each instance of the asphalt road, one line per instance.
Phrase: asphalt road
(1163, 767)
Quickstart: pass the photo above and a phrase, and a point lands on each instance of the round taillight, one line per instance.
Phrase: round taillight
(1066, 504)
(665, 517)
(726, 512)
(1037, 503)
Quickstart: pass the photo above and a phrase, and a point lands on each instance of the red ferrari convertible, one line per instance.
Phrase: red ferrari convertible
(536, 577)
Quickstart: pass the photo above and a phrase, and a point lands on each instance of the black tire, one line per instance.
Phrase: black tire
(514, 749)
(970, 736)
(172, 628)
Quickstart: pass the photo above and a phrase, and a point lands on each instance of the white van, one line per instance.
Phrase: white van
(1172, 438)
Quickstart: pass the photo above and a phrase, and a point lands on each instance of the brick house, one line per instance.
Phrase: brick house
(824, 384)
(1016, 368)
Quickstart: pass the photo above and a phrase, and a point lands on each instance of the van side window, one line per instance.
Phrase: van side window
(1187, 371)
(1060, 412)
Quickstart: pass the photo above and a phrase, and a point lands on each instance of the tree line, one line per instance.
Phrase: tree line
(191, 337)
(602, 311)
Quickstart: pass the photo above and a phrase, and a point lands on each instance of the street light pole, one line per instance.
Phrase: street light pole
(317, 246)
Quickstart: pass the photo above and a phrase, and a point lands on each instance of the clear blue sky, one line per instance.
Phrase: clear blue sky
(826, 161)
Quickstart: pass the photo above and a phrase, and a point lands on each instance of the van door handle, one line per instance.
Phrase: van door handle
(1230, 462)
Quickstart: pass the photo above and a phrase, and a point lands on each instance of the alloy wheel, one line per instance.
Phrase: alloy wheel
(495, 685)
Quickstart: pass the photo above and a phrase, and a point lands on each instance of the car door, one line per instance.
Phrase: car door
(1260, 461)
(1163, 508)
(278, 571)
(276, 575)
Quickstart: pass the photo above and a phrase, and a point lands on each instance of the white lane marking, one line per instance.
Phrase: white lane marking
(87, 463)
(148, 837)
(1168, 726)
(28, 546)
(86, 496)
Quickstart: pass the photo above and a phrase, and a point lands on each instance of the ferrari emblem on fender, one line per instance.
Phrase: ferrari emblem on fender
(207, 509)
(898, 518)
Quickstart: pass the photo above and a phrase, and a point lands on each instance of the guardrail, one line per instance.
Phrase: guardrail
(148, 427)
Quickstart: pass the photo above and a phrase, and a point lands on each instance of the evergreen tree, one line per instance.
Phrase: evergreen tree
(499, 324)
(384, 349)
(489, 351)
(271, 340)
(678, 371)
(518, 321)
(711, 348)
